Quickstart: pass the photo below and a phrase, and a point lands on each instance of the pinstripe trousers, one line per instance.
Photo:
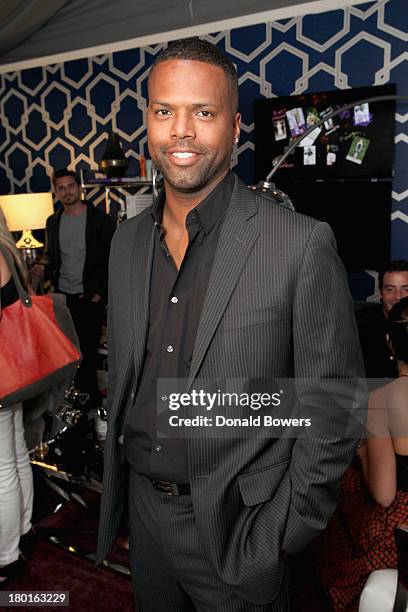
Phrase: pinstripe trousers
(170, 572)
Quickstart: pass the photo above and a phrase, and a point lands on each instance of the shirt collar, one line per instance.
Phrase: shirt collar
(208, 211)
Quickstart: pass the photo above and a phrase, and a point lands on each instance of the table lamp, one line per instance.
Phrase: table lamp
(26, 212)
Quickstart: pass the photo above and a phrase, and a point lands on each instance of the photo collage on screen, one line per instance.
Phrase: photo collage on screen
(354, 143)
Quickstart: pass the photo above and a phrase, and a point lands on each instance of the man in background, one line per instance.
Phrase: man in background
(76, 259)
(372, 322)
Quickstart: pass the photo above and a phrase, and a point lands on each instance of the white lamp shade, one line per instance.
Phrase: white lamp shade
(26, 211)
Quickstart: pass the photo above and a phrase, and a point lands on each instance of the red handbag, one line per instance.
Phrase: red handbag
(38, 343)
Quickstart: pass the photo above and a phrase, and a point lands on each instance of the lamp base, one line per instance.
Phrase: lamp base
(270, 191)
(27, 241)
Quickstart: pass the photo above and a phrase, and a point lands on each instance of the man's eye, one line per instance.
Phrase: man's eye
(205, 114)
(162, 112)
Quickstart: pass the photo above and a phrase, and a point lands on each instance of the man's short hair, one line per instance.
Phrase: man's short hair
(64, 172)
(195, 49)
(398, 265)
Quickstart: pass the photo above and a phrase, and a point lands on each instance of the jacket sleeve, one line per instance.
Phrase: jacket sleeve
(47, 258)
(329, 386)
(106, 230)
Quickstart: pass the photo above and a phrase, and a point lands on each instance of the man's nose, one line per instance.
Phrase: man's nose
(182, 126)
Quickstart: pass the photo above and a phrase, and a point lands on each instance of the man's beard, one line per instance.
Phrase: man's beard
(70, 200)
(189, 179)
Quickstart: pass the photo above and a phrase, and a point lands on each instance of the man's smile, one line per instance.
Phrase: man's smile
(182, 157)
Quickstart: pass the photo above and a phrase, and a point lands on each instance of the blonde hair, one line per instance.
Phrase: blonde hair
(7, 241)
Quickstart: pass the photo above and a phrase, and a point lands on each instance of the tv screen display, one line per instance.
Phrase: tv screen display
(359, 213)
(357, 143)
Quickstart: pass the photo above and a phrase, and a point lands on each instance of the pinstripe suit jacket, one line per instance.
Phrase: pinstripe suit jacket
(277, 305)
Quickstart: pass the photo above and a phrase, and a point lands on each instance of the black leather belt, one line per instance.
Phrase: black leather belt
(171, 488)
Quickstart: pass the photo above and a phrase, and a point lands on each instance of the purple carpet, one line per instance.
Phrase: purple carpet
(51, 568)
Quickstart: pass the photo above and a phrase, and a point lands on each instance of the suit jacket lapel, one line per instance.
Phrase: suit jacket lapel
(142, 258)
(235, 243)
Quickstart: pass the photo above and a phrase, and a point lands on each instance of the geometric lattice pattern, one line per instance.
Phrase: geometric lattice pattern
(59, 115)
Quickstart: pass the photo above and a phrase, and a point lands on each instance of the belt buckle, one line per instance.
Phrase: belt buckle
(166, 487)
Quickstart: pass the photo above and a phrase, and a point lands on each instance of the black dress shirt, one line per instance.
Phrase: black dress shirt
(176, 300)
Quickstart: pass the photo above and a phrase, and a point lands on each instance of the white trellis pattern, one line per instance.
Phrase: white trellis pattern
(60, 115)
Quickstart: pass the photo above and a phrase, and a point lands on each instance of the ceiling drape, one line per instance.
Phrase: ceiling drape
(20, 19)
(32, 29)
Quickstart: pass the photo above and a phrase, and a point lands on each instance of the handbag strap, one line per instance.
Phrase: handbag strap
(22, 292)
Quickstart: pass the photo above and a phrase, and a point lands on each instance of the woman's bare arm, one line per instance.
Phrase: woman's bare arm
(4, 271)
(380, 468)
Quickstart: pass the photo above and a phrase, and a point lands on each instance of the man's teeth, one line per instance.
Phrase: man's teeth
(183, 155)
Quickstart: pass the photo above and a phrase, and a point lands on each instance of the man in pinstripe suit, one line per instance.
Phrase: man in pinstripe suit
(261, 294)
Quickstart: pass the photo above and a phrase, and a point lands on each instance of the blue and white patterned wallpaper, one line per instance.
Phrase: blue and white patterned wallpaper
(59, 115)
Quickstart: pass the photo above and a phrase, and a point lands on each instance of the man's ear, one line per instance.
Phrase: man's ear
(237, 126)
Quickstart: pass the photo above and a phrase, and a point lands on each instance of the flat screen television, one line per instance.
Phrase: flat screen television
(359, 213)
(357, 144)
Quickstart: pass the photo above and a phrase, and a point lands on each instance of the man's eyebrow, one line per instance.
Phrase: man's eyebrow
(196, 105)
(201, 104)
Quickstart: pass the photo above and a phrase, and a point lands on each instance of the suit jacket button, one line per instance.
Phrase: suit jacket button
(121, 439)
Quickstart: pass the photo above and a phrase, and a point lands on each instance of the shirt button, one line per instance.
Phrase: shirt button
(170, 349)
(158, 448)
(174, 299)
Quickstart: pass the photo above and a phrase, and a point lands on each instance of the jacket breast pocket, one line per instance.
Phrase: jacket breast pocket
(251, 318)
(260, 486)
